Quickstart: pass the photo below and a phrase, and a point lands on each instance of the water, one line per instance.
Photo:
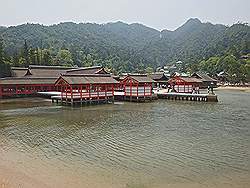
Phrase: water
(158, 144)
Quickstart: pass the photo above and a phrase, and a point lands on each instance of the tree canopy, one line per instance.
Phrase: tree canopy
(125, 47)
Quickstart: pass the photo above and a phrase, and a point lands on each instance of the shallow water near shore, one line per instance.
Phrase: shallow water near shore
(130, 145)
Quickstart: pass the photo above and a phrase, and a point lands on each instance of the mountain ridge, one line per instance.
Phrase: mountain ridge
(133, 45)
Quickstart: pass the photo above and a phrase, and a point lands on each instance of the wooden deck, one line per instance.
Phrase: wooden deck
(188, 97)
(77, 100)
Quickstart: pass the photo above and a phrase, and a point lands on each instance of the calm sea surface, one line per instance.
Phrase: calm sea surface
(131, 145)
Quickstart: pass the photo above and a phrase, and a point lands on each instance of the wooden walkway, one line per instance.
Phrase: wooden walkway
(81, 101)
(188, 97)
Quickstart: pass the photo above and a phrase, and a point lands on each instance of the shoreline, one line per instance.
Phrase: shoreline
(235, 88)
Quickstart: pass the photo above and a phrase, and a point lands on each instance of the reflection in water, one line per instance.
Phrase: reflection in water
(136, 145)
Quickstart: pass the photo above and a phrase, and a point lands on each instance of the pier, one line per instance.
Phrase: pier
(77, 100)
(188, 97)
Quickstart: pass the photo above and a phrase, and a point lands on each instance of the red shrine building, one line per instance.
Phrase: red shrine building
(185, 84)
(86, 88)
(34, 79)
(25, 86)
(137, 87)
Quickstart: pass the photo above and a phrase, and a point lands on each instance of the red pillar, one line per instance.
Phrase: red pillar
(71, 91)
(106, 88)
(89, 91)
(81, 91)
(98, 87)
(124, 87)
(130, 88)
(112, 89)
(144, 94)
(62, 91)
(137, 89)
(66, 92)
(150, 89)
(1, 93)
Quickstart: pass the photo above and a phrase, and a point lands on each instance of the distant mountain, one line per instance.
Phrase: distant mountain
(2, 28)
(132, 43)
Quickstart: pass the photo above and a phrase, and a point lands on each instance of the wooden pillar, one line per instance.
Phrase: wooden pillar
(144, 93)
(137, 88)
(81, 93)
(71, 93)
(124, 87)
(89, 93)
(1, 92)
(66, 94)
(130, 85)
(151, 89)
(98, 97)
(106, 88)
(184, 87)
(62, 88)
(113, 93)
(16, 90)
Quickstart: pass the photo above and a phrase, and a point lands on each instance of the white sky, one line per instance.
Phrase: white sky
(159, 14)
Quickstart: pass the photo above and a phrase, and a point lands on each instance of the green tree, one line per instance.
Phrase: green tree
(26, 54)
(5, 70)
(46, 57)
(65, 57)
(209, 66)
(149, 70)
(15, 60)
(32, 54)
(38, 56)
(1, 51)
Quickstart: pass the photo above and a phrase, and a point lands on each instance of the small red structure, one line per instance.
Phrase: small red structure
(185, 84)
(137, 86)
(14, 86)
(86, 88)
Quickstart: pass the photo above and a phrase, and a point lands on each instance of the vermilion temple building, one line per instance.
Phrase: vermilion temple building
(27, 81)
(88, 88)
(74, 85)
(185, 84)
(137, 87)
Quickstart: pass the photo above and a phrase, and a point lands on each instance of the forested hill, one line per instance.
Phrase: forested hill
(120, 46)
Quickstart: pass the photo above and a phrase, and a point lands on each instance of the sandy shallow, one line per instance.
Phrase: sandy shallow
(13, 174)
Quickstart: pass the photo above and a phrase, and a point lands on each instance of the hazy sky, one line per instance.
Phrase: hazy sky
(159, 14)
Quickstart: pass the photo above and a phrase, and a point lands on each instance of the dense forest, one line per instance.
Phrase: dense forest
(123, 47)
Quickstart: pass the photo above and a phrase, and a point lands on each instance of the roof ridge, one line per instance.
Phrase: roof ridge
(84, 68)
(19, 68)
(48, 67)
(26, 78)
(86, 75)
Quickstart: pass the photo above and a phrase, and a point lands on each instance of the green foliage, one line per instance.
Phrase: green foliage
(4, 66)
(237, 69)
(46, 58)
(209, 66)
(149, 70)
(129, 47)
(1, 52)
(26, 54)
